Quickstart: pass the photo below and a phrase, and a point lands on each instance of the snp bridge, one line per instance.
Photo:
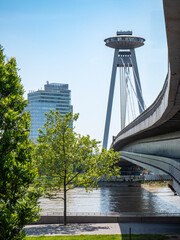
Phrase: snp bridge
(152, 140)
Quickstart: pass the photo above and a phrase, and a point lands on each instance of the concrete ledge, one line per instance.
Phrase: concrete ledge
(160, 219)
(129, 219)
(108, 219)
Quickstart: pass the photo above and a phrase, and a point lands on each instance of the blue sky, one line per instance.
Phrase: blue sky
(63, 41)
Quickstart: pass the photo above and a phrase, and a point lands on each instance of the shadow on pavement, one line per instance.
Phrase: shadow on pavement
(71, 229)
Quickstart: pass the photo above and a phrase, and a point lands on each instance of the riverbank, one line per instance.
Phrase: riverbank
(136, 183)
(155, 183)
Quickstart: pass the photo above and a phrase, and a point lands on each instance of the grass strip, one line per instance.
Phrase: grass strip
(102, 237)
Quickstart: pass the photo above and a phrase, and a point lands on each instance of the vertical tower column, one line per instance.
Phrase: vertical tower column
(110, 100)
(123, 96)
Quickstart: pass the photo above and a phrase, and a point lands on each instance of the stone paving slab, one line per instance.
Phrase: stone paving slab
(73, 229)
(102, 228)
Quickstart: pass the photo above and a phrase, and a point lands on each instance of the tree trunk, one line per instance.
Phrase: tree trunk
(65, 213)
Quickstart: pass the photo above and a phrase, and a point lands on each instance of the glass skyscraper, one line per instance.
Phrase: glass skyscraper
(55, 96)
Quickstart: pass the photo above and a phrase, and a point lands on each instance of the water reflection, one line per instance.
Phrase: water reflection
(156, 200)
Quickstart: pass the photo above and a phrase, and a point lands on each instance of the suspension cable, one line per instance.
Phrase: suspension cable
(138, 84)
(127, 73)
(132, 84)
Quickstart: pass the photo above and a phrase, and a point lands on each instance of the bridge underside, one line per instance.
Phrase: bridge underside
(159, 154)
(159, 165)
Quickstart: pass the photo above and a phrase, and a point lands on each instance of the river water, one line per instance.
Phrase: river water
(112, 200)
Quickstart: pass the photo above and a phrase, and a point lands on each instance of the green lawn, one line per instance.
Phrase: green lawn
(102, 237)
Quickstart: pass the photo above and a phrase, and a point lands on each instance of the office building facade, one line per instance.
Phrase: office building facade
(55, 96)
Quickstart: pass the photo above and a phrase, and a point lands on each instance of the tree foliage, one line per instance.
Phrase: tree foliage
(19, 192)
(67, 160)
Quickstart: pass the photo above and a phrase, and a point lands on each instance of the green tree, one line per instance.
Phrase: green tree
(19, 192)
(68, 160)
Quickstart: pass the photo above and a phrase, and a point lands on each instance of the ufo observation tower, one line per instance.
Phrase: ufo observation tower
(124, 58)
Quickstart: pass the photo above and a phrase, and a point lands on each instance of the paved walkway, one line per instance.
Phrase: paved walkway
(103, 228)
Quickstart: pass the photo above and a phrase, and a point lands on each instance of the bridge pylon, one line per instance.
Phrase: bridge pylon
(124, 58)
